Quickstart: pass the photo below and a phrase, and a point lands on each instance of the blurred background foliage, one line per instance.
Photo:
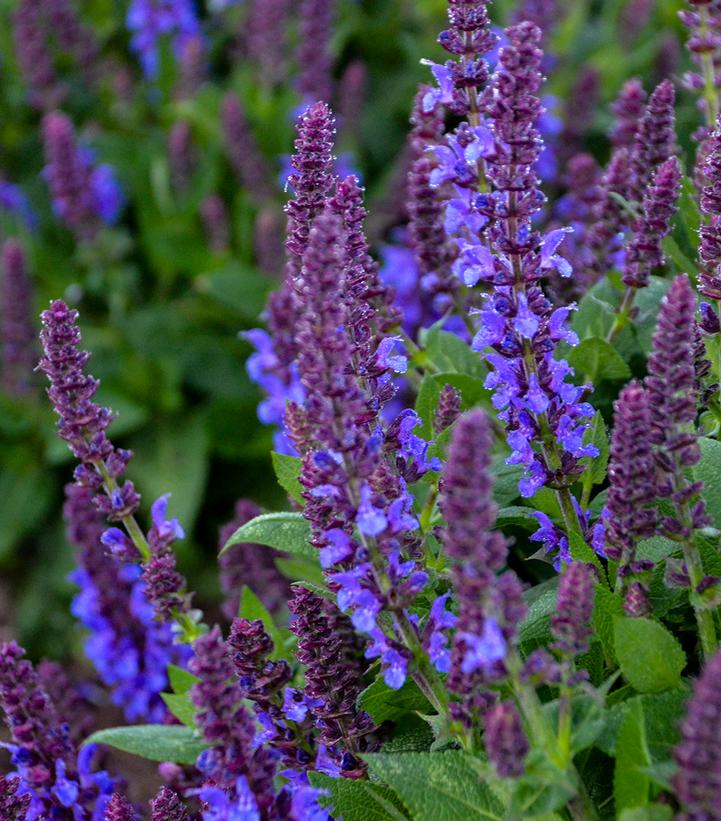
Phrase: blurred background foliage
(160, 310)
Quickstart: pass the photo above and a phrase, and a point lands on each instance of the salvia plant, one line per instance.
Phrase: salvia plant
(488, 584)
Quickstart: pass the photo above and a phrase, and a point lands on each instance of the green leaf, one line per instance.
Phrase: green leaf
(607, 607)
(541, 602)
(505, 481)
(426, 403)
(581, 551)
(358, 800)
(650, 657)
(25, 495)
(180, 680)
(595, 314)
(596, 465)
(252, 608)
(384, 704)
(156, 742)
(287, 470)
(708, 470)
(518, 516)
(596, 359)
(181, 707)
(411, 735)
(648, 302)
(444, 786)
(651, 812)
(299, 569)
(448, 353)
(284, 530)
(630, 782)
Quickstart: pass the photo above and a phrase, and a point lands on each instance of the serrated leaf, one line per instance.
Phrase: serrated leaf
(384, 704)
(426, 403)
(181, 707)
(156, 742)
(650, 657)
(443, 786)
(607, 607)
(411, 735)
(708, 470)
(180, 680)
(358, 800)
(285, 530)
(598, 360)
(287, 470)
(252, 608)
(630, 782)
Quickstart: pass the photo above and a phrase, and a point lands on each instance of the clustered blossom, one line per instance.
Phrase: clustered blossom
(243, 153)
(167, 806)
(655, 139)
(120, 809)
(85, 195)
(128, 648)
(709, 252)
(490, 606)
(13, 805)
(265, 38)
(58, 778)
(644, 252)
(249, 564)
(214, 216)
(315, 22)
(698, 755)
(83, 424)
(182, 159)
(505, 739)
(671, 387)
(570, 624)
(332, 657)
(703, 22)
(17, 333)
(150, 21)
(627, 109)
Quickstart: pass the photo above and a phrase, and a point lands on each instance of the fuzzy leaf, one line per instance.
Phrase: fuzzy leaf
(383, 704)
(630, 782)
(426, 403)
(708, 470)
(180, 680)
(156, 742)
(443, 786)
(358, 800)
(597, 360)
(284, 530)
(606, 608)
(181, 707)
(650, 657)
(287, 470)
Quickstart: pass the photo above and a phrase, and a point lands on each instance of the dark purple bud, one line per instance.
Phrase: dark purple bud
(214, 215)
(628, 109)
(168, 806)
(632, 490)
(119, 809)
(17, 335)
(660, 201)
(636, 602)
(250, 648)
(243, 153)
(710, 232)
(164, 585)
(505, 739)
(698, 755)
(315, 65)
(448, 410)
(13, 807)
(73, 699)
(570, 624)
(709, 319)
(634, 17)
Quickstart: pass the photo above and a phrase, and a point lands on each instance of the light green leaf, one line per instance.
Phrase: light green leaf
(444, 786)
(180, 680)
(596, 465)
(448, 353)
(607, 607)
(181, 707)
(252, 608)
(426, 403)
(708, 470)
(541, 602)
(284, 530)
(650, 657)
(651, 812)
(516, 515)
(630, 782)
(156, 742)
(287, 470)
(596, 359)
(384, 704)
(358, 800)
(299, 569)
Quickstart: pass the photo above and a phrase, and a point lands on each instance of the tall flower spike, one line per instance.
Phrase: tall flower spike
(266, 39)
(627, 110)
(332, 656)
(709, 280)
(82, 424)
(120, 809)
(660, 201)
(251, 168)
(168, 806)
(182, 159)
(571, 623)
(214, 216)
(17, 334)
(655, 139)
(698, 755)
(13, 806)
(490, 607)
(34, 57)
(632, 490)
(704, 42)
(315, 81)
(226, 725)
(505, 739)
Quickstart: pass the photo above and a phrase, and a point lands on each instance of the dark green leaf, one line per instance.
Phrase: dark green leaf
(630, 782)
(156, 742)
(596, 359)
(650, 658)
(384, 704)
(607, 607)
(284, 530)
(448, 353)
(358, 800)
(426, 404)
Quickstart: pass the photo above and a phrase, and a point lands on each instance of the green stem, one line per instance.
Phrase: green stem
(622, 314)
(130, 523)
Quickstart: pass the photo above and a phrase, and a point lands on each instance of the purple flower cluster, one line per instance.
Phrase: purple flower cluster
(570, 624)
(120, 809)
(243, 153)
(490, 602)
(167, 806)
(58, 778)
(128, 648)
(150, 21)
(85, 195)
(703, 22)
(16, 329)
(655, 139)
(14, 805)
(265, 38)
(83, 424)
(315, 23)
(506, 741)
(709, 252)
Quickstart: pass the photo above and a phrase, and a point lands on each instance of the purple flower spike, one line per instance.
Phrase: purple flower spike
(149, 21)
(214, 216)
(710, 245)
(182, 159)
(168, 806)
(632, 490)
(250, 166)
(13, 806)
(655, 140)
(570, 625)
(17, 334)
(120, 809)
(315, 80)
(266, 38)
(506, 741)
(671, 386)
(628, 110)
(698, 755)
(660, 201)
